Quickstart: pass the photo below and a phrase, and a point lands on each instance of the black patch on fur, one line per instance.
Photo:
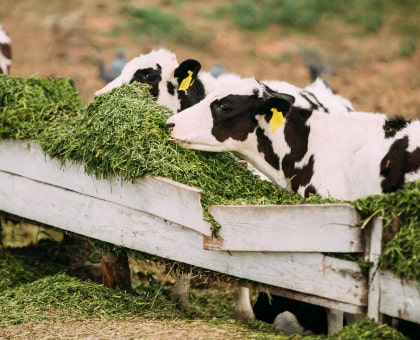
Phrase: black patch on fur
(196, 92)
(299, 176)
(193, 95)
(296, 134)
(392, 126)
(181, 72)
(149, 76)
(313, 100)
(171, 88)
(310, 190)
(265, 146)
(398, 162)
(413, 161)
(234, 116)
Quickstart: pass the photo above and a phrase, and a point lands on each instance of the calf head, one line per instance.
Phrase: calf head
(243, 119)
(154, 69)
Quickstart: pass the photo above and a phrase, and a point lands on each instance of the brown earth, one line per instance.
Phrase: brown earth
(66, 38)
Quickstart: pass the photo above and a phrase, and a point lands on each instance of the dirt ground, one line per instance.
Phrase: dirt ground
(66, 39)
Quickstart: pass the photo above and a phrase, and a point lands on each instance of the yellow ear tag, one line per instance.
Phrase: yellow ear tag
(276, 120)
(187, 82)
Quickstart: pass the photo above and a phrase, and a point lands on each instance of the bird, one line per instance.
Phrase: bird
(115, 68)
(5, 52)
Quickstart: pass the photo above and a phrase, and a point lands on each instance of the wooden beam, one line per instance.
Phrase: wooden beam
(399, 298)
(313, 299)
(182, 202)
(300, 228)
(373, 234)
(311, 273)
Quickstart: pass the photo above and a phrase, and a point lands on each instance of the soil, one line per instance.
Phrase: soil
(67, 38)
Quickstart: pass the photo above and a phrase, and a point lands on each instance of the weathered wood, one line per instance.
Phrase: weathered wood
(311, 273)
(300, 228)
(335, 320)
(399, 298)
(243, 308)
(315, 300)
(181, 292)
(373, 238)
(182, 202)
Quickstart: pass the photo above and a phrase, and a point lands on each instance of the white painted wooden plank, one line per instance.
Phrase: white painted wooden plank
(399, 298)
(302, 228)
(311, 273)
(373, 251)
(315, 300)
(155, 195)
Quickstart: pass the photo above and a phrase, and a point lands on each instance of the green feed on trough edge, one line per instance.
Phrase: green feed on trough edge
(122, 133)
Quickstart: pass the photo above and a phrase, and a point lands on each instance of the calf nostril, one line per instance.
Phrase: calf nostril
(169, 126)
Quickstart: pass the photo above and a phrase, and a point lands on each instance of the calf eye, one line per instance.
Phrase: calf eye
(225, 107)
(151, 76)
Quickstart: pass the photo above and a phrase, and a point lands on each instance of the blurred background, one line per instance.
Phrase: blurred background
(367, 49)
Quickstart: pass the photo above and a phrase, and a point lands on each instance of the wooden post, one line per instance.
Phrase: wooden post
(335, 320)
(181, 291)
(116, 271)
(243, 308)
(373, 250)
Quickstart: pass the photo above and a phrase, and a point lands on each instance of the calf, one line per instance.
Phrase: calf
(177, 86)
(5, 52)
(345, 156)
(153, 69)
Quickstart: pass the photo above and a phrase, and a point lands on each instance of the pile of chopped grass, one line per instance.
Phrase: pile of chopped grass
(63, 295)
(14, 271)
(59, 298)
(401, 253)
(29, 105)
(367, 329)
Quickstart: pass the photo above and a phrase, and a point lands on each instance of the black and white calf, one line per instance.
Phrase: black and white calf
(153, 69)
(345, 156)
(177, 86)
(5, 52)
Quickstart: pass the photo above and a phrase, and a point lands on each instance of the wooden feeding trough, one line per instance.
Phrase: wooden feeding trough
(281, 248)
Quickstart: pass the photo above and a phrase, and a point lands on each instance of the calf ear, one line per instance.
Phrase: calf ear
(186, 73)
(276, 108)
